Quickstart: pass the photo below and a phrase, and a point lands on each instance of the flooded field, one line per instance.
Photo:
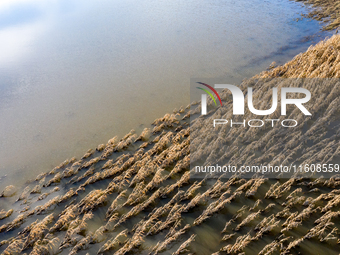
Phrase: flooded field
(73, 75)
(87, 73)
(134, 195)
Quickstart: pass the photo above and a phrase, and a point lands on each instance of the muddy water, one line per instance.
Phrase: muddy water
(73, 75)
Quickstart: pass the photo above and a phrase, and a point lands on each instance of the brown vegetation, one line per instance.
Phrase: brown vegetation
(327, 11)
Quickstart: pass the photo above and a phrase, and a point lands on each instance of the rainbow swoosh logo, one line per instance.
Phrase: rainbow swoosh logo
(209, 93)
